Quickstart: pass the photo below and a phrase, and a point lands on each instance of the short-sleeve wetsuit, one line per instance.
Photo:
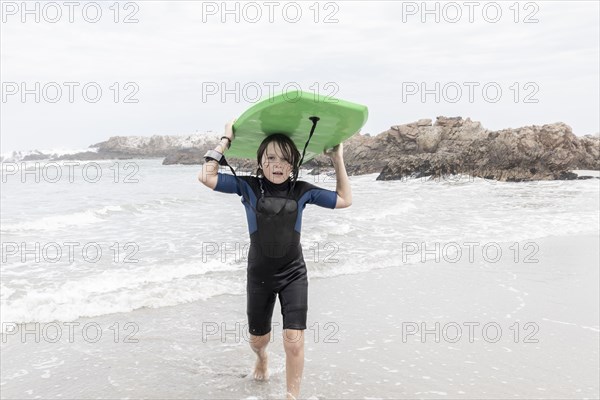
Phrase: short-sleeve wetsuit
(275, 260)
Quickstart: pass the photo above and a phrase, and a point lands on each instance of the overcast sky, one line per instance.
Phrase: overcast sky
(381, 54)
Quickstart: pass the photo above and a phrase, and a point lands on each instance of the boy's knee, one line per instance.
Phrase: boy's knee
(259, 342)
(293, 341)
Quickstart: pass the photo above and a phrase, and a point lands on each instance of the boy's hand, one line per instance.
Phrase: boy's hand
(229, 129)
(336, 152)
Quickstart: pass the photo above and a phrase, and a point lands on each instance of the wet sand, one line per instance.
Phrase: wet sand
(528, 330)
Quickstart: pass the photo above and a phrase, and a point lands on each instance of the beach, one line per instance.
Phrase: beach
(447, 158)
(365, 340)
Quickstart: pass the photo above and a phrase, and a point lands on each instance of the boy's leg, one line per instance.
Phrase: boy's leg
(293, 342)
(294, 307)
(259, 308)
(259, 346)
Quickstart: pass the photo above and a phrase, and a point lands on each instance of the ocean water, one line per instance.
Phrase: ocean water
(143, 235)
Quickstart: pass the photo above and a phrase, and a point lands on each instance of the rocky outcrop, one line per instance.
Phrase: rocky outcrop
(153, 146)
(123, 147)
(450, 145)
(38, 155)
(456, 145)
(150, 147)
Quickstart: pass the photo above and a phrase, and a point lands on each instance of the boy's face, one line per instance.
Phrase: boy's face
(275, 168)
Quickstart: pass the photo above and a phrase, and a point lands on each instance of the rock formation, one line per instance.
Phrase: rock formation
(456, 145)
(451, 145)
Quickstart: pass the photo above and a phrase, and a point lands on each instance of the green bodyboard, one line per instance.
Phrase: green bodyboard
(289, 113)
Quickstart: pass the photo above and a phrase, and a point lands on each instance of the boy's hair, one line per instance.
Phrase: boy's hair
(288, 149)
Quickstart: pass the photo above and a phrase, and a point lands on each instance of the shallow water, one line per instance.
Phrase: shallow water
(148, 235)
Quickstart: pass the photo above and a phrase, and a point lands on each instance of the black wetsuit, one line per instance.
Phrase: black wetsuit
(275, 259)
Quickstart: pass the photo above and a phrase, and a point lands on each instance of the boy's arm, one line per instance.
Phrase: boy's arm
(208, 174)
(342, 187)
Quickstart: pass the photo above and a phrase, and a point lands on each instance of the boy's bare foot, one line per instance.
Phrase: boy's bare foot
(261, 372)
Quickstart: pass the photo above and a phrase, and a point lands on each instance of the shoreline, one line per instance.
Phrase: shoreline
(354, 346)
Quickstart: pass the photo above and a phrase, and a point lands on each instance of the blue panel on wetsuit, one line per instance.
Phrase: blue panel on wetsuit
(228, 184)
(304, 193)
